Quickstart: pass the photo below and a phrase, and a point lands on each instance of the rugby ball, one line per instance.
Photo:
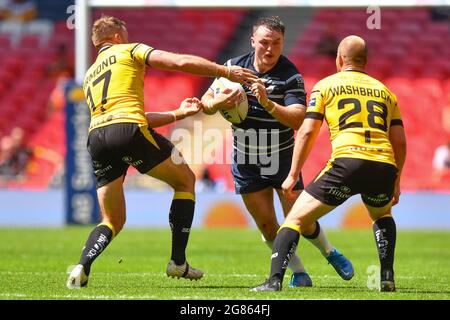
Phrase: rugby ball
(239, 112)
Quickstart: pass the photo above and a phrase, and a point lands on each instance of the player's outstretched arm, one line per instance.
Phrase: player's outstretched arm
(188, 107)
(397, 138)
(198, 66)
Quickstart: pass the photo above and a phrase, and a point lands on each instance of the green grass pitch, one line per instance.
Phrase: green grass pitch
(34, 263)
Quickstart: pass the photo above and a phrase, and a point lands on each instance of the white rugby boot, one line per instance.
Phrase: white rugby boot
(77, 278)
(183, 271)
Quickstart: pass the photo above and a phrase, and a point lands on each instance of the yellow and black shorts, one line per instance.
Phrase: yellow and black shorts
(115, 147)
(345, 177)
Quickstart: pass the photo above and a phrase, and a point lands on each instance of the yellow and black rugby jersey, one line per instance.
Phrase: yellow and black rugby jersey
(114, 85)
(359, 111)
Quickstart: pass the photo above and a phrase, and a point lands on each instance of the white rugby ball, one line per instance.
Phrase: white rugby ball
(239, 112)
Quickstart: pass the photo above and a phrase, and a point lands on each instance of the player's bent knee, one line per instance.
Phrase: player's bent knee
(117, 224)
(308, 229)
(185, 181)
(268, 232)
(379, 212)
(293, 218)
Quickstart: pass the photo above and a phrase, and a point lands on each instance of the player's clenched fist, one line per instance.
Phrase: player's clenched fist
(288, 185)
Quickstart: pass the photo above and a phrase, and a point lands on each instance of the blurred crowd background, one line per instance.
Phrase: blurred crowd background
(409, 53)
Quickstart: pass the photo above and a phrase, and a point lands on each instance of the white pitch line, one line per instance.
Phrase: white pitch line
(124, 297)
(152, 274)
(75, 296)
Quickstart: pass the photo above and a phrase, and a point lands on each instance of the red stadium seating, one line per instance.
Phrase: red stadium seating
(5, 42)
(24, 84)
(409, 54)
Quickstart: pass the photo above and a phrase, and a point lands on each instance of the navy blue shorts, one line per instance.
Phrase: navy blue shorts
(252, 177)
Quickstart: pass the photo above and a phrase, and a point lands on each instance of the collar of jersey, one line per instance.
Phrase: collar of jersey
(104, 48)
(355, 71)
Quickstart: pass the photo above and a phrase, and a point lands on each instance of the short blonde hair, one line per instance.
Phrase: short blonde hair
(104, 29)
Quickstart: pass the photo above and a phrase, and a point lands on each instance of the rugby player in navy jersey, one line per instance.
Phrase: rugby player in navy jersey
(264, 141)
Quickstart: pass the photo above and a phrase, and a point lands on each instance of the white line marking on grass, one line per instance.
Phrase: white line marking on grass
(76, 296)
(123, 297)
(152, 274)
(10, 295)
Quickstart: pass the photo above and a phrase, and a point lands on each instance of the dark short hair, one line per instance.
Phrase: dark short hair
(273, 23)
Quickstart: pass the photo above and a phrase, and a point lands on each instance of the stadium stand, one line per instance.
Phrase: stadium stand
(191, 31)
(405, 54)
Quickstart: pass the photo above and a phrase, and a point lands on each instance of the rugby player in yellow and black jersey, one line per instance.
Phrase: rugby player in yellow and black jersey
(120, 135)
(369, 150)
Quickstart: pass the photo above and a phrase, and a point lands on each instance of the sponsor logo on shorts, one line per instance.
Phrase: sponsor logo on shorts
(101, 172)
(343, 192)
(379, 198)
(129, 160)
(97, 164)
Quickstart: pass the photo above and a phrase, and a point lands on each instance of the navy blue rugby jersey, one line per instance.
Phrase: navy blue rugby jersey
(285, 86)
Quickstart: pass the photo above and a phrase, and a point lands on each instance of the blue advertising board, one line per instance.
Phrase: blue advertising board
(81, 203)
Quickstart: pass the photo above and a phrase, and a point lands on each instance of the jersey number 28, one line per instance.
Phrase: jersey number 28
(375, 110)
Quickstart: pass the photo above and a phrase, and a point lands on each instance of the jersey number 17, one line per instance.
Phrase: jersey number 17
(106, 76)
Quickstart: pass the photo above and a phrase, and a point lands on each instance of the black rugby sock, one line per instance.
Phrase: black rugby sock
(97, 241)
(283, 249)
(180, 218)
(385, 233)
